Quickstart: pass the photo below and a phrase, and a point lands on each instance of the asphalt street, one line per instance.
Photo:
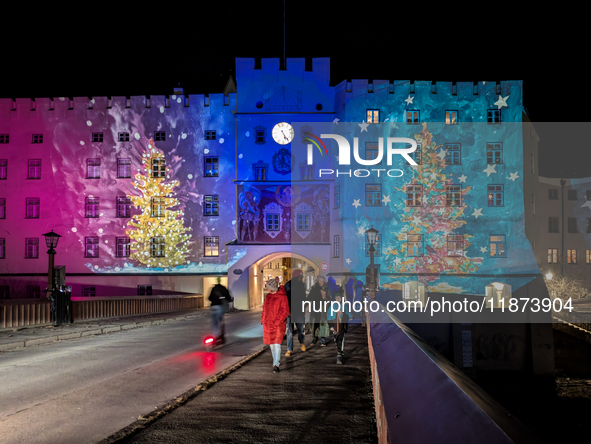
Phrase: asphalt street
(83, 390)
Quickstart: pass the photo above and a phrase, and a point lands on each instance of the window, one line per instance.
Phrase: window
(337, 197)
(92, 206)
(4, 292)
(144, 290)
(157, 246)
(412, 117)
(553, 194)
(93, 168)
(572, 225)
(212, 246)
(497, 246)
(32, 248)
(373, 116)
(2, 248)
(414, 195)
(494, 153)
(455, 245)
(552, 225)
(97, 137)
(571, 256)
(416, 155)
(452, 154)
(123, 206)
(91, 246)
(303, 222)
(33, 291)
(158, 206)
(2, 208)
(532, 163)
(158, 167)
(495, 195)
(123, 244)
(552, 255)
(212, 207)
(272, 222)
(493, 116)
(4, 138)
(210, 135)
(123, 137)
(372, 151)
(453, 195)
(3, 169)
(260, 173)
(588, 195)
(159, 136)
(533, 204)
(373, 195)
(212, 167)
(88, 291)
(260, 134)
(37, 138)
(32, 211)
(307, 172)
(588, 256)
(124, 168)
(336, 246)
(34, 171)
(588, 227)
(414, 245)
(377, 246)
(451, 117)
(572, 194)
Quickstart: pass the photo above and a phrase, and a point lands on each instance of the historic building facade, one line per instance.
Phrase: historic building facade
(164, 194)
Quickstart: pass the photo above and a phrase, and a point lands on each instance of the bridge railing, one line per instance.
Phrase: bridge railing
(23, 312)
(421, 397)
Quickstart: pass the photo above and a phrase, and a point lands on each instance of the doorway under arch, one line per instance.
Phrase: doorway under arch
(288, 261)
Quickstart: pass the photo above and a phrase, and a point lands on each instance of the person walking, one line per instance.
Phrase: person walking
(296, 294)
(275, 312)
(318, 294)
(338, 320)
(220, 299)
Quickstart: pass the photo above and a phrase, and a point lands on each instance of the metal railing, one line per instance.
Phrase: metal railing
(23, 312)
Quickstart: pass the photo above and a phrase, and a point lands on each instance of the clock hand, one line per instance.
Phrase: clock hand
(284, 136)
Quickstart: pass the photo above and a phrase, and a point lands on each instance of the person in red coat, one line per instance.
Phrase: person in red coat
(275, 312)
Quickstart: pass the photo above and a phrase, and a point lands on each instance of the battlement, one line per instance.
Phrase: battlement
(295, 72)
(463, 90)
(58, 107)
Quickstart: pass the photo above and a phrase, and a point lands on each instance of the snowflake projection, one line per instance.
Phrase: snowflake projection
(158, 225)
(431, 221)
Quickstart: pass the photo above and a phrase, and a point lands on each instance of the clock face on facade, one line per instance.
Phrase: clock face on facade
(283, 133)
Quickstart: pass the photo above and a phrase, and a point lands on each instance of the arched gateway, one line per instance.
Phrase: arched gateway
(246, 278)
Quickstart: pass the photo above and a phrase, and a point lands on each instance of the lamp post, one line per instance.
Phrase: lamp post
(371, 237)
(562, 184)
(51, 240)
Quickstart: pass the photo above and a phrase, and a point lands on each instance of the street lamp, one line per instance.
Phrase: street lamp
(371, 238)
(51, 240)
(549, 276)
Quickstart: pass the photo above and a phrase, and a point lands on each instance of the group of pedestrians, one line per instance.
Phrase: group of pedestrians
(283, 307)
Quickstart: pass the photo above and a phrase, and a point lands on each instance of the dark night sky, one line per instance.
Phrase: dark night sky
(116, 52)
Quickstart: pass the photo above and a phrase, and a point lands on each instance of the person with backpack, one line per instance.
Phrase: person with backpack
(338, 320)
(220, 302)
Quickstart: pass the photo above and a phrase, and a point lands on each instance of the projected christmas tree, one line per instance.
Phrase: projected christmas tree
(158, 235)
(434, 210)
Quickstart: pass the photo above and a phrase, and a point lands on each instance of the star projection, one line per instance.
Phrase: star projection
(158, 235)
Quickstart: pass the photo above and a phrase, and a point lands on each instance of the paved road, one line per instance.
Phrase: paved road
(83, 390)
(312, 400)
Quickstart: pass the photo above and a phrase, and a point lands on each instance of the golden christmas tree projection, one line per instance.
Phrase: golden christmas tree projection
(433, 213)
(158, 235)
